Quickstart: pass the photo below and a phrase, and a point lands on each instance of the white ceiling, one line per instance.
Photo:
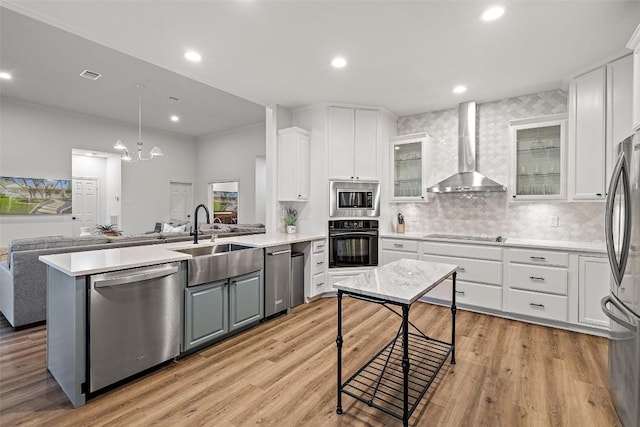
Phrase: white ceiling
(46, 62)
(403, 55)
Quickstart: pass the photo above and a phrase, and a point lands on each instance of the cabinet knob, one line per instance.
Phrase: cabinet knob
(599, 194)
(513, 196)
(351, 177)
(357, 177)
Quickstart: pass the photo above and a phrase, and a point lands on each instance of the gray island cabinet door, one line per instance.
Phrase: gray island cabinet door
(206, 316)
(246, 300)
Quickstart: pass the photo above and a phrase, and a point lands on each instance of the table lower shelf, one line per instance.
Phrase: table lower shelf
(379, 383)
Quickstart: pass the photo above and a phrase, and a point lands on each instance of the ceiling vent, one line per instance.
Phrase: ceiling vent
(91, 75)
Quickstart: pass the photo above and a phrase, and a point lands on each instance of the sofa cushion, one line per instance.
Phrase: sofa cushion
(51, 242)
(134, 238)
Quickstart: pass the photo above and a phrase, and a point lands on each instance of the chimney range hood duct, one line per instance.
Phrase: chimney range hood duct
(467, 179)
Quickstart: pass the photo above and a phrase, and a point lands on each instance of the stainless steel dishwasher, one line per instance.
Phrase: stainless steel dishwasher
(134, 321)
(277, 279)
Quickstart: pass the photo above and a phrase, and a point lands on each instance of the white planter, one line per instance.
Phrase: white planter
(291, 229)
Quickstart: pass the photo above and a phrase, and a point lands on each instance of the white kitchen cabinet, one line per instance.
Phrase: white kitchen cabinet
(293, 164)
(594, 278)
(409, 171)
(537, 283)
(587, 137)
(353, 144)
(600, 111)
(634, 45)
(538, 148)
(318, 258)
(395, 249)
(478, 278)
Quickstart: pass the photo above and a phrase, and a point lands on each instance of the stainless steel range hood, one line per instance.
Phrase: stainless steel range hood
(467, 179)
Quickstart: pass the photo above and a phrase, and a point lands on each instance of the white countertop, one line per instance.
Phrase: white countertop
(594, 246)
(402, 281)
(101, 261)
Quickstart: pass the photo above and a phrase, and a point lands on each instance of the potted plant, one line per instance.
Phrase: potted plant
(108, 230)
(290, 219)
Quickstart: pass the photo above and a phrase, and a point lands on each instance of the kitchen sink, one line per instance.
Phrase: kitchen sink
(215, 249)
(219, 262)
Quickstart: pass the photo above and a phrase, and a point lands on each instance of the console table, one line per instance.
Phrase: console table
(397, 377)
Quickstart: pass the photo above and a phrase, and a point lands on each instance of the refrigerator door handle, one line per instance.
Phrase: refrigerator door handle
(624, 323)
(619, 173)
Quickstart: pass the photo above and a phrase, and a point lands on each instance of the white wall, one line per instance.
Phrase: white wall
(36, 141)
(230, 156)
(261, 190)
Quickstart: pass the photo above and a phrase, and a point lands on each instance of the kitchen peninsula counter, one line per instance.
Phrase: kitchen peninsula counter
(76, 264)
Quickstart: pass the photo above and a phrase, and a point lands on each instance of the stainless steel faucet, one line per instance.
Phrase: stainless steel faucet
(195, 218)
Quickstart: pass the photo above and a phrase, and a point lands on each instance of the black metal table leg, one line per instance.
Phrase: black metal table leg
(339, 345)
(453, 321)
(405, 364)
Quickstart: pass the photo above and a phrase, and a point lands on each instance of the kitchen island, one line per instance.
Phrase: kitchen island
(397, 378)
(73, 280)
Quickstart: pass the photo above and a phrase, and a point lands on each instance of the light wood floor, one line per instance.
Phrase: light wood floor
(283, 373)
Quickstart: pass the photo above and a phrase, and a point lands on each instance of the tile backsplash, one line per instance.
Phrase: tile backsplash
(492, 213)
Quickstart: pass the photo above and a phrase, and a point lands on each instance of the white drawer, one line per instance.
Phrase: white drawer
(318, 263)
(390, 256)
(319, 283)
(552, 280)
(400, 245)
(473, 270)
(472, 294)
(535, 304)
(318, 246)
(457, 250)
(532, 256)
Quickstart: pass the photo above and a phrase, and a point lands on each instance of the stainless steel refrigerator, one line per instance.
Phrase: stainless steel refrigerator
(622, 305)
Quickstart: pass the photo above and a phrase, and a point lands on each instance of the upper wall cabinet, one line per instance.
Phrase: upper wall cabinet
(634, 44)
(353, 144)
(599, 118)
(538, 158)
(293, 165)
(409, 159)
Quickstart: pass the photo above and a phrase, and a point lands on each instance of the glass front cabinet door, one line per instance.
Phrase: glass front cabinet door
(409, 167)
(538, 160)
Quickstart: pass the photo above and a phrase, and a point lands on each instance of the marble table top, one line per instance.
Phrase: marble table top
(402, 281)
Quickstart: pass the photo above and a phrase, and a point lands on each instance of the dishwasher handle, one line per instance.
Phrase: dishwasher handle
(152, 273)
(288, 251)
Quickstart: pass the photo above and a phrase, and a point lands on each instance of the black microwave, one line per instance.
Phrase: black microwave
(354, 199)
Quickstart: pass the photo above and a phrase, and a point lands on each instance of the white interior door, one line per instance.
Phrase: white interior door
(181, 202)
(85, 203)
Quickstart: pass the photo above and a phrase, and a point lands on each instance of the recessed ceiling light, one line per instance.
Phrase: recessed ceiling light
(492, 13)
(459, 89)
(5, 76)
(339, 62)
(175, 118)
(193, 56)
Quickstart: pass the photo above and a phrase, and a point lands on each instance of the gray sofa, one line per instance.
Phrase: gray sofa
(23, 278)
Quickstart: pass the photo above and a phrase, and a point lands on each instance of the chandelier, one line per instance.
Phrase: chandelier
(155, 151)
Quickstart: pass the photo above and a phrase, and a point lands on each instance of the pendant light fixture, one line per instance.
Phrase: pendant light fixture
(155, 151)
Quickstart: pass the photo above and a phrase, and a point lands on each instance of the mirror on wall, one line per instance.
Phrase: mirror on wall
(223, 202)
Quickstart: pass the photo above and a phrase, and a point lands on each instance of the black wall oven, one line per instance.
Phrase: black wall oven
(353, 243)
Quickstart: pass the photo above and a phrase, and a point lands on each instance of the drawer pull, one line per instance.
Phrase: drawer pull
(540, 279)
(461, 269)
(319, 284)
(398, 245)
(538, 258)
(533, 304)
(460, 292)
(322, 262)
